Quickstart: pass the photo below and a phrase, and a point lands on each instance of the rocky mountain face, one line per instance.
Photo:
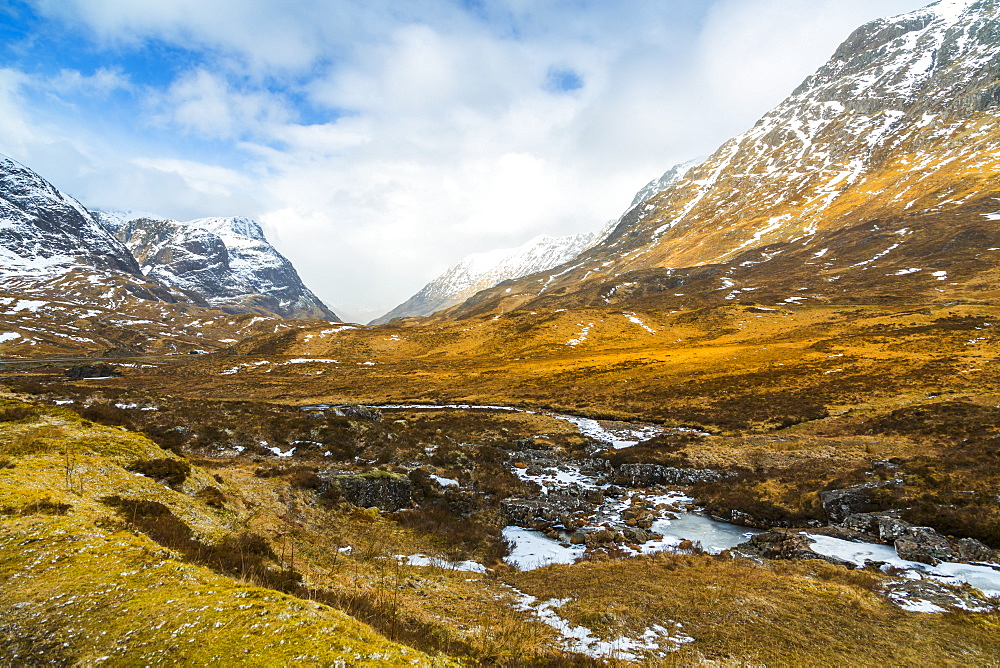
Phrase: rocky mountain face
(226, 261)
(479, 271)
(46, 232)
(876, 179)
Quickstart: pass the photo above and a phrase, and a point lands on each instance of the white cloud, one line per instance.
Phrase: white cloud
(206, 104)
(103, 81)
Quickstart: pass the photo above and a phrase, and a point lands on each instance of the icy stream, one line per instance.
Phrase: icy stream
(532, 549)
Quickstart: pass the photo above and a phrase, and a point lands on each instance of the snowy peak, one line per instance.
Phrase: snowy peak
(235, 228)
(45, 231)
(226, 261)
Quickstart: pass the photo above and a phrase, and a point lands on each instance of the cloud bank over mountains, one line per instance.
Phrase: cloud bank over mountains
(378, 142)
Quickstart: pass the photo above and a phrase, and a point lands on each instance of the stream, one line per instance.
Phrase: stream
(678, 521)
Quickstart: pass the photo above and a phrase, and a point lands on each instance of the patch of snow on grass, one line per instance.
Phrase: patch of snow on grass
(582, 640)
(9, 336)
(621, 437)
(904, 272)
(635, 320)
(445, 482)
(581, 337)
(238, 367)
(27, 305)
(940, 275)
(423, 560)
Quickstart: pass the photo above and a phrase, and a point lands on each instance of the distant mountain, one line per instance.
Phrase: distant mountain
(877, 179)
(479, 271)
(69, 285)
(226, 261)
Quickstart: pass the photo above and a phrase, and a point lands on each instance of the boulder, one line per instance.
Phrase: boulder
(889, 529)
(970, 549)
(839, 504)
(360, 412)
(925, 545)
(784, 545)
(373, 489)
(863, 522)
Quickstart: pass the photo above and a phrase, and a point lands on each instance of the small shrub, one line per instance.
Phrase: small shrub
(106, 414)
(212, 496)
(17, 413)
(171, 471)
(46, 506)
(305, 479)
(331, 496)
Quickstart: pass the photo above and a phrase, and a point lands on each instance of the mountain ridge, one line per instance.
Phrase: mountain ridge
(897, 124)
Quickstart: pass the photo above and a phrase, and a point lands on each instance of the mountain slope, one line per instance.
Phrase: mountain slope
(669, 178)
(879, 172)
(226, 261)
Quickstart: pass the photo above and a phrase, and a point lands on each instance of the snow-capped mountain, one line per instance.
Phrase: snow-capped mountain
(45, 232)
(67, 285)
(879, 176)
(479, 271)
(226, 261)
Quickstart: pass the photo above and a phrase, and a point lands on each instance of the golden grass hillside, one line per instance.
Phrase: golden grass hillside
(79, 587)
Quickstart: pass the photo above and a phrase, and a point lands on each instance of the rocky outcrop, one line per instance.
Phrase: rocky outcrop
(838, 504)
(777, 544)
(359, 412)
(563, 507)
(644, 475)
(914, 543)
(372, 489)
(930, 596)
(82, 371)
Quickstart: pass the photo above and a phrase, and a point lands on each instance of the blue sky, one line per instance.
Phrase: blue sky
(378, 142)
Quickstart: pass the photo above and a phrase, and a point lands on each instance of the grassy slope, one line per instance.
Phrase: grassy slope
(78, 587)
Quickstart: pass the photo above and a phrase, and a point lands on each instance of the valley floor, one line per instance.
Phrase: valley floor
(196, 499)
